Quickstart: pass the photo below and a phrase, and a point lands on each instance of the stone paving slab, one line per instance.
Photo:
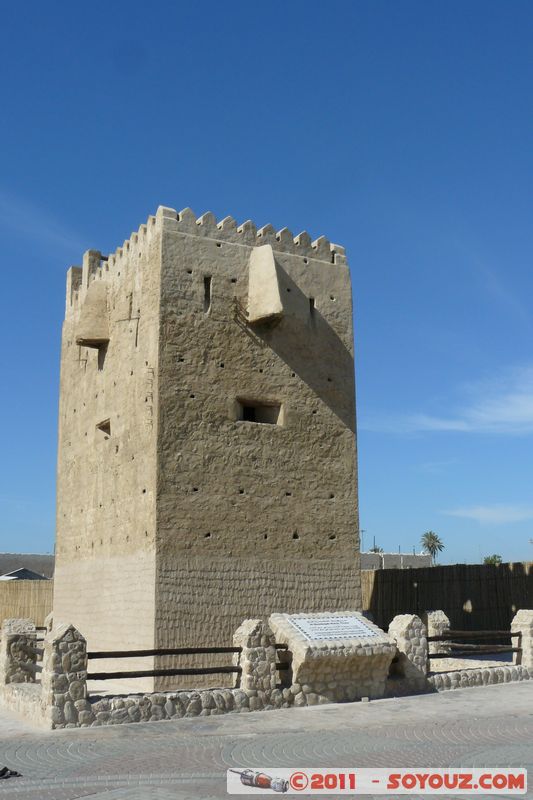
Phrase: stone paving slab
(486, 726)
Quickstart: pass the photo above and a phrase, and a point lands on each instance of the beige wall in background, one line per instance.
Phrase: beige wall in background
(26, 600)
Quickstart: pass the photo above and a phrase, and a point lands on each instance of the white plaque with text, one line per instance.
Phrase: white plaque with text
(334, 627)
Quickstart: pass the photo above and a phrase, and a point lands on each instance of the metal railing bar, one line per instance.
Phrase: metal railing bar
(157, 673)
(172, 651)
(444, 637)
(459, 653)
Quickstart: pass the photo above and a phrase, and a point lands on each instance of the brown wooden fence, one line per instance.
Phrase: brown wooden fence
(474, 596)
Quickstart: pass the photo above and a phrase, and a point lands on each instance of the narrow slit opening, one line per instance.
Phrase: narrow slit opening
(207, 293)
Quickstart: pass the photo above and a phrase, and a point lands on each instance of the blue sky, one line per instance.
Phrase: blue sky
(401, 130)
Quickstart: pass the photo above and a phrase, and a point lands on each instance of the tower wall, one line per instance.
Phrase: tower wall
(105, 545)
(207, 460)
(252, 518)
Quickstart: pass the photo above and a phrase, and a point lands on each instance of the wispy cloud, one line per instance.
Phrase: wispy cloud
(493, 515)
(33, 222)
(492, 279)
(502, 405)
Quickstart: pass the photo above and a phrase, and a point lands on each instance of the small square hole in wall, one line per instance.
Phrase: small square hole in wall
(259, 412)
(103, 429)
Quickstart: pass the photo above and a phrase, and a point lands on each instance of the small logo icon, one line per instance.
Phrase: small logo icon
(260, 780)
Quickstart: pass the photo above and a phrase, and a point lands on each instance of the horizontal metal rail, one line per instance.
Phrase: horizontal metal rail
(447, 635)
(172, 651)
(161, 673)
(481, 648)
(157, 673)
(459, 653)
(169, 651)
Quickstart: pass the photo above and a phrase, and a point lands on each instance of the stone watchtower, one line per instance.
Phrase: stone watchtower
(207, 458)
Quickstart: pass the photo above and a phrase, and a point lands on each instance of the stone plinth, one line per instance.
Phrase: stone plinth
(64, 678)
(437, 623)
(258, 657)
(18, 656)
(335, 657)
(411, 664)
(523, 622)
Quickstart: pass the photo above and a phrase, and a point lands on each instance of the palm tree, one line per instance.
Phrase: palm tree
(432, 544)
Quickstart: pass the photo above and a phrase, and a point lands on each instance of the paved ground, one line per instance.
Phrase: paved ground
(490, 726)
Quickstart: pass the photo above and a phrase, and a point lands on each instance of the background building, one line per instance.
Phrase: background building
(371, 560)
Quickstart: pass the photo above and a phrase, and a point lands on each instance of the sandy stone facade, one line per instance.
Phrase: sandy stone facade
(207, 455)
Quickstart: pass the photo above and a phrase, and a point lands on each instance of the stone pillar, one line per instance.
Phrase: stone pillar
(437, 623)
(523, 622)
(409, 633)
(18, 655)
(258, 657)
(64, 678)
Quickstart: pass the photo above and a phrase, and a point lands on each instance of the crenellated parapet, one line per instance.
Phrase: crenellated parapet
(99, 267)
(248, 234)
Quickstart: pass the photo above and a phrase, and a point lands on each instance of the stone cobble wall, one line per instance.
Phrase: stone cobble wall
(174, 705)
(461, 679)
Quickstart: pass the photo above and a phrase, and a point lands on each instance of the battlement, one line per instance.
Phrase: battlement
(97, 266)
(249, 235)
(227, 230)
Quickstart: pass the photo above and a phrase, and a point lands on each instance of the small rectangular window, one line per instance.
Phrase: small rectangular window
(263, 413)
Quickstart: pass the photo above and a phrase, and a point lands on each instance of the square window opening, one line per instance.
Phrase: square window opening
(259, 412)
